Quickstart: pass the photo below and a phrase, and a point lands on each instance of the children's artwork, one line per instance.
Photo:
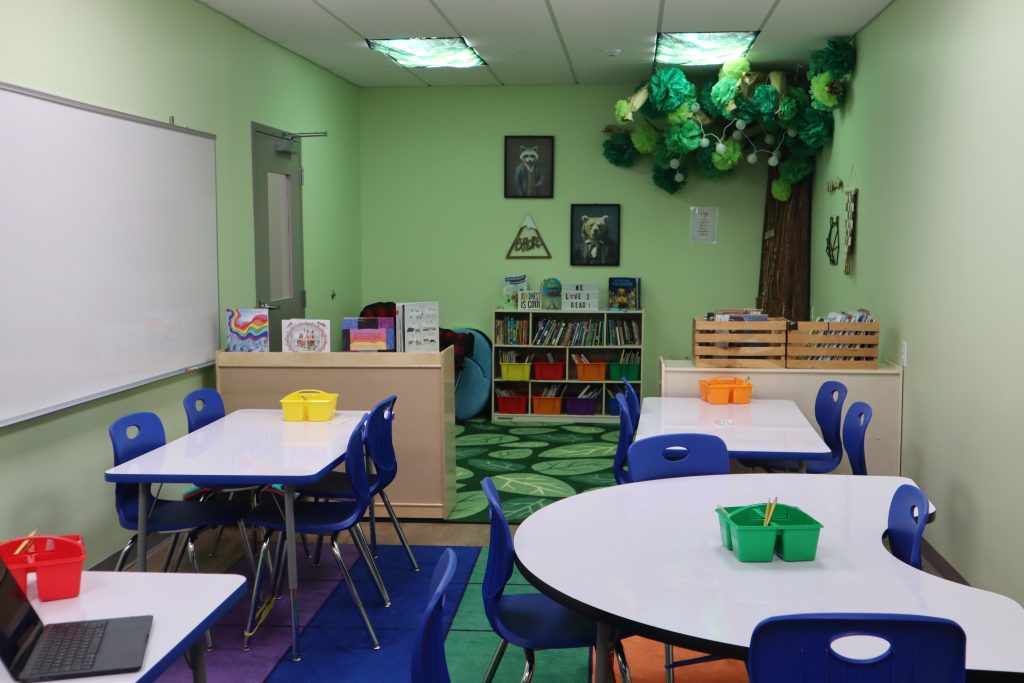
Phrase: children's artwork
(418, 326)
(248, 329)
(511, 286)
(299, 334)
(368, 334)
(528, 243)
(624, 293)
(595, 234)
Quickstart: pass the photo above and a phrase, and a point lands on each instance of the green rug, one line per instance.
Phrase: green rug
(531, 465)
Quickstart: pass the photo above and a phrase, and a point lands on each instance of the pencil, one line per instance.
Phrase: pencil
(24, 544)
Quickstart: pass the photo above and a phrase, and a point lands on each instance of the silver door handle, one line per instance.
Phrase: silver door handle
(271, 307)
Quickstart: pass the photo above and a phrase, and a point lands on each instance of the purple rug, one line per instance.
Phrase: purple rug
(227, 663)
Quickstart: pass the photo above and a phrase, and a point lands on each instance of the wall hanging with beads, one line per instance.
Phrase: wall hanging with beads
(745, 114)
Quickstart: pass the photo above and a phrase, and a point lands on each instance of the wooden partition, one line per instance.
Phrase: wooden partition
(424, 415)
(881, 388)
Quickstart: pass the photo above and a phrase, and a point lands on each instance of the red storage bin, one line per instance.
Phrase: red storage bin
(546, 370)
(56, 560)
(511, 404)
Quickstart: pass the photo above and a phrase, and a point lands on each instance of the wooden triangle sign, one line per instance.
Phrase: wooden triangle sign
(528, 243)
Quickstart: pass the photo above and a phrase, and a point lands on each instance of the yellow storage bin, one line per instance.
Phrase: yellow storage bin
(310, 405)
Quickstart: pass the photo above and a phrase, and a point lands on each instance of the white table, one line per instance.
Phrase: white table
(246, 447)
(761, 429)
(184, 606)
(648, 556)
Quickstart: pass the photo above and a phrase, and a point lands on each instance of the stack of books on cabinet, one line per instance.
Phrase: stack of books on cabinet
(557, 365)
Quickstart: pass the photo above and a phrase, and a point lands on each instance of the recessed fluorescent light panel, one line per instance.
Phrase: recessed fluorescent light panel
(702, 48)
(428, 52)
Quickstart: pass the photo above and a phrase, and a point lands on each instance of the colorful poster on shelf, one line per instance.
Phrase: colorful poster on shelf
(248, 329)
(302, 335)
(418, 326)
(368, 334)
(624, 293)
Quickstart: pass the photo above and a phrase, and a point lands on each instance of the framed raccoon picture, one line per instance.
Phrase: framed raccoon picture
(529, 166)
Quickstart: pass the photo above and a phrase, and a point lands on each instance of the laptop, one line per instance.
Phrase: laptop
(74, 649)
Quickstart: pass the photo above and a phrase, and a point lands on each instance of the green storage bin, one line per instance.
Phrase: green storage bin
(628, 371)
(792, 533)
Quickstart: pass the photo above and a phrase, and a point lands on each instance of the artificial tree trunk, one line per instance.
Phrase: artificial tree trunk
(785, 284)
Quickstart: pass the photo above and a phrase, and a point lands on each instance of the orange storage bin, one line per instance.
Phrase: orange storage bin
(547, 405)
(591, 372)
(56, 560)
(722, 390)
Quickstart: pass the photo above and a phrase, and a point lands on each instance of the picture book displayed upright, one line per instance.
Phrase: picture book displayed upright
(368, 334)
(248, 329)
(510, 288)
(417, 326)
(300, 334)
(624, 293)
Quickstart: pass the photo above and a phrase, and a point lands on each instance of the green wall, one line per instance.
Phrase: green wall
(156, 59)
(929, 137)
(436, 225)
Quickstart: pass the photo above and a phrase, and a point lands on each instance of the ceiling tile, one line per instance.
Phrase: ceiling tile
(390, 19)
(476, 18)
(373, 78)
(593, 48)
(700, 16)
(281, 20)
(799, 27)
(522, 74)
(619, 72)
(628, 19)
(474, 76)
(337, 53)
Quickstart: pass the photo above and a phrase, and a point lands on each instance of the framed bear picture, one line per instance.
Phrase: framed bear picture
(529, 166)
(595, 234)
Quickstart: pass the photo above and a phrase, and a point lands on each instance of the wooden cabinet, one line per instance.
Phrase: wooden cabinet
(558, 365)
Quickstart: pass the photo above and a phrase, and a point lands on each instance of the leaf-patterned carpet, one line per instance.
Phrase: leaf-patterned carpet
(531, 465)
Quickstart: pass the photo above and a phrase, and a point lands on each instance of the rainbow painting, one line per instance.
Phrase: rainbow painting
(248, 329)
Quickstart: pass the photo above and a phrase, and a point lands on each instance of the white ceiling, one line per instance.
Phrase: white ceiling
(535, 42)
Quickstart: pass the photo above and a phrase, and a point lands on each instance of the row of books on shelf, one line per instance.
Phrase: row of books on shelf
(624, 332)
(569, 333)
(861, 315)
(512, 331)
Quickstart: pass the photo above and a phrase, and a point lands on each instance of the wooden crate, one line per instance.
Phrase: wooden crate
(739, 344)
(833, 346)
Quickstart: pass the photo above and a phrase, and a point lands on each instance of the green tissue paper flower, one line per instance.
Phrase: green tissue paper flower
(684, 137)
(788, 108)
(619, 150)
(707, 103)
(665, 178)
(723, 92)
(663, 156)
(839, 58)
(795, 169)
(746, 110)
(681, 114)
(706, 163)
(621, 110)
(730, 158)
(827, 91)
(816, 134)
(781, 190)
(765, 99)
(735, 69)
(799, 148)
(669, 89)
(645, 138)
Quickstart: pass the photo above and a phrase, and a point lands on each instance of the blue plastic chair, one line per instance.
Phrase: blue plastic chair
(828, 412)
(188, 517)
(202, 407)
(428, 661)
(855, 428)
(798, 648)
(677, 455)
(626, 434)
(908, 516)
(531, 621)
(381, 447)
(633, 399)
(325, 519)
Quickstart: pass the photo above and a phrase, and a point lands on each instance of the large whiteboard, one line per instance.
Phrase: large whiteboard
(108, 252)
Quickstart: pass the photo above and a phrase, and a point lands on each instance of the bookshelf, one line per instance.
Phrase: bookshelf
(560, 365)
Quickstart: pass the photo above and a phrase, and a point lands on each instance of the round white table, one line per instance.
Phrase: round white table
(648, 557)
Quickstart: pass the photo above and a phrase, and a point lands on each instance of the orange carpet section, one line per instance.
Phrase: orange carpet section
(647, 665)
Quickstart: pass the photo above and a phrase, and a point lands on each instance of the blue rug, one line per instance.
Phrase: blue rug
(335, 645)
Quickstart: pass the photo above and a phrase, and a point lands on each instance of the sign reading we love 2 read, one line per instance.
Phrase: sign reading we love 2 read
(583, 297)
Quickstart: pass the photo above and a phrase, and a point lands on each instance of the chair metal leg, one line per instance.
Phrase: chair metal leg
(496, 661)
(620, 657)
(355, 595)
(364, 550)
(670, 672)
(319, 550)
(190, 544)
(279, 564)
(398, 529)
(216, 542)
(305, 546)
(122, 559)
(531, 662)
(170, 553)
(248, 547)
(257, 589)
